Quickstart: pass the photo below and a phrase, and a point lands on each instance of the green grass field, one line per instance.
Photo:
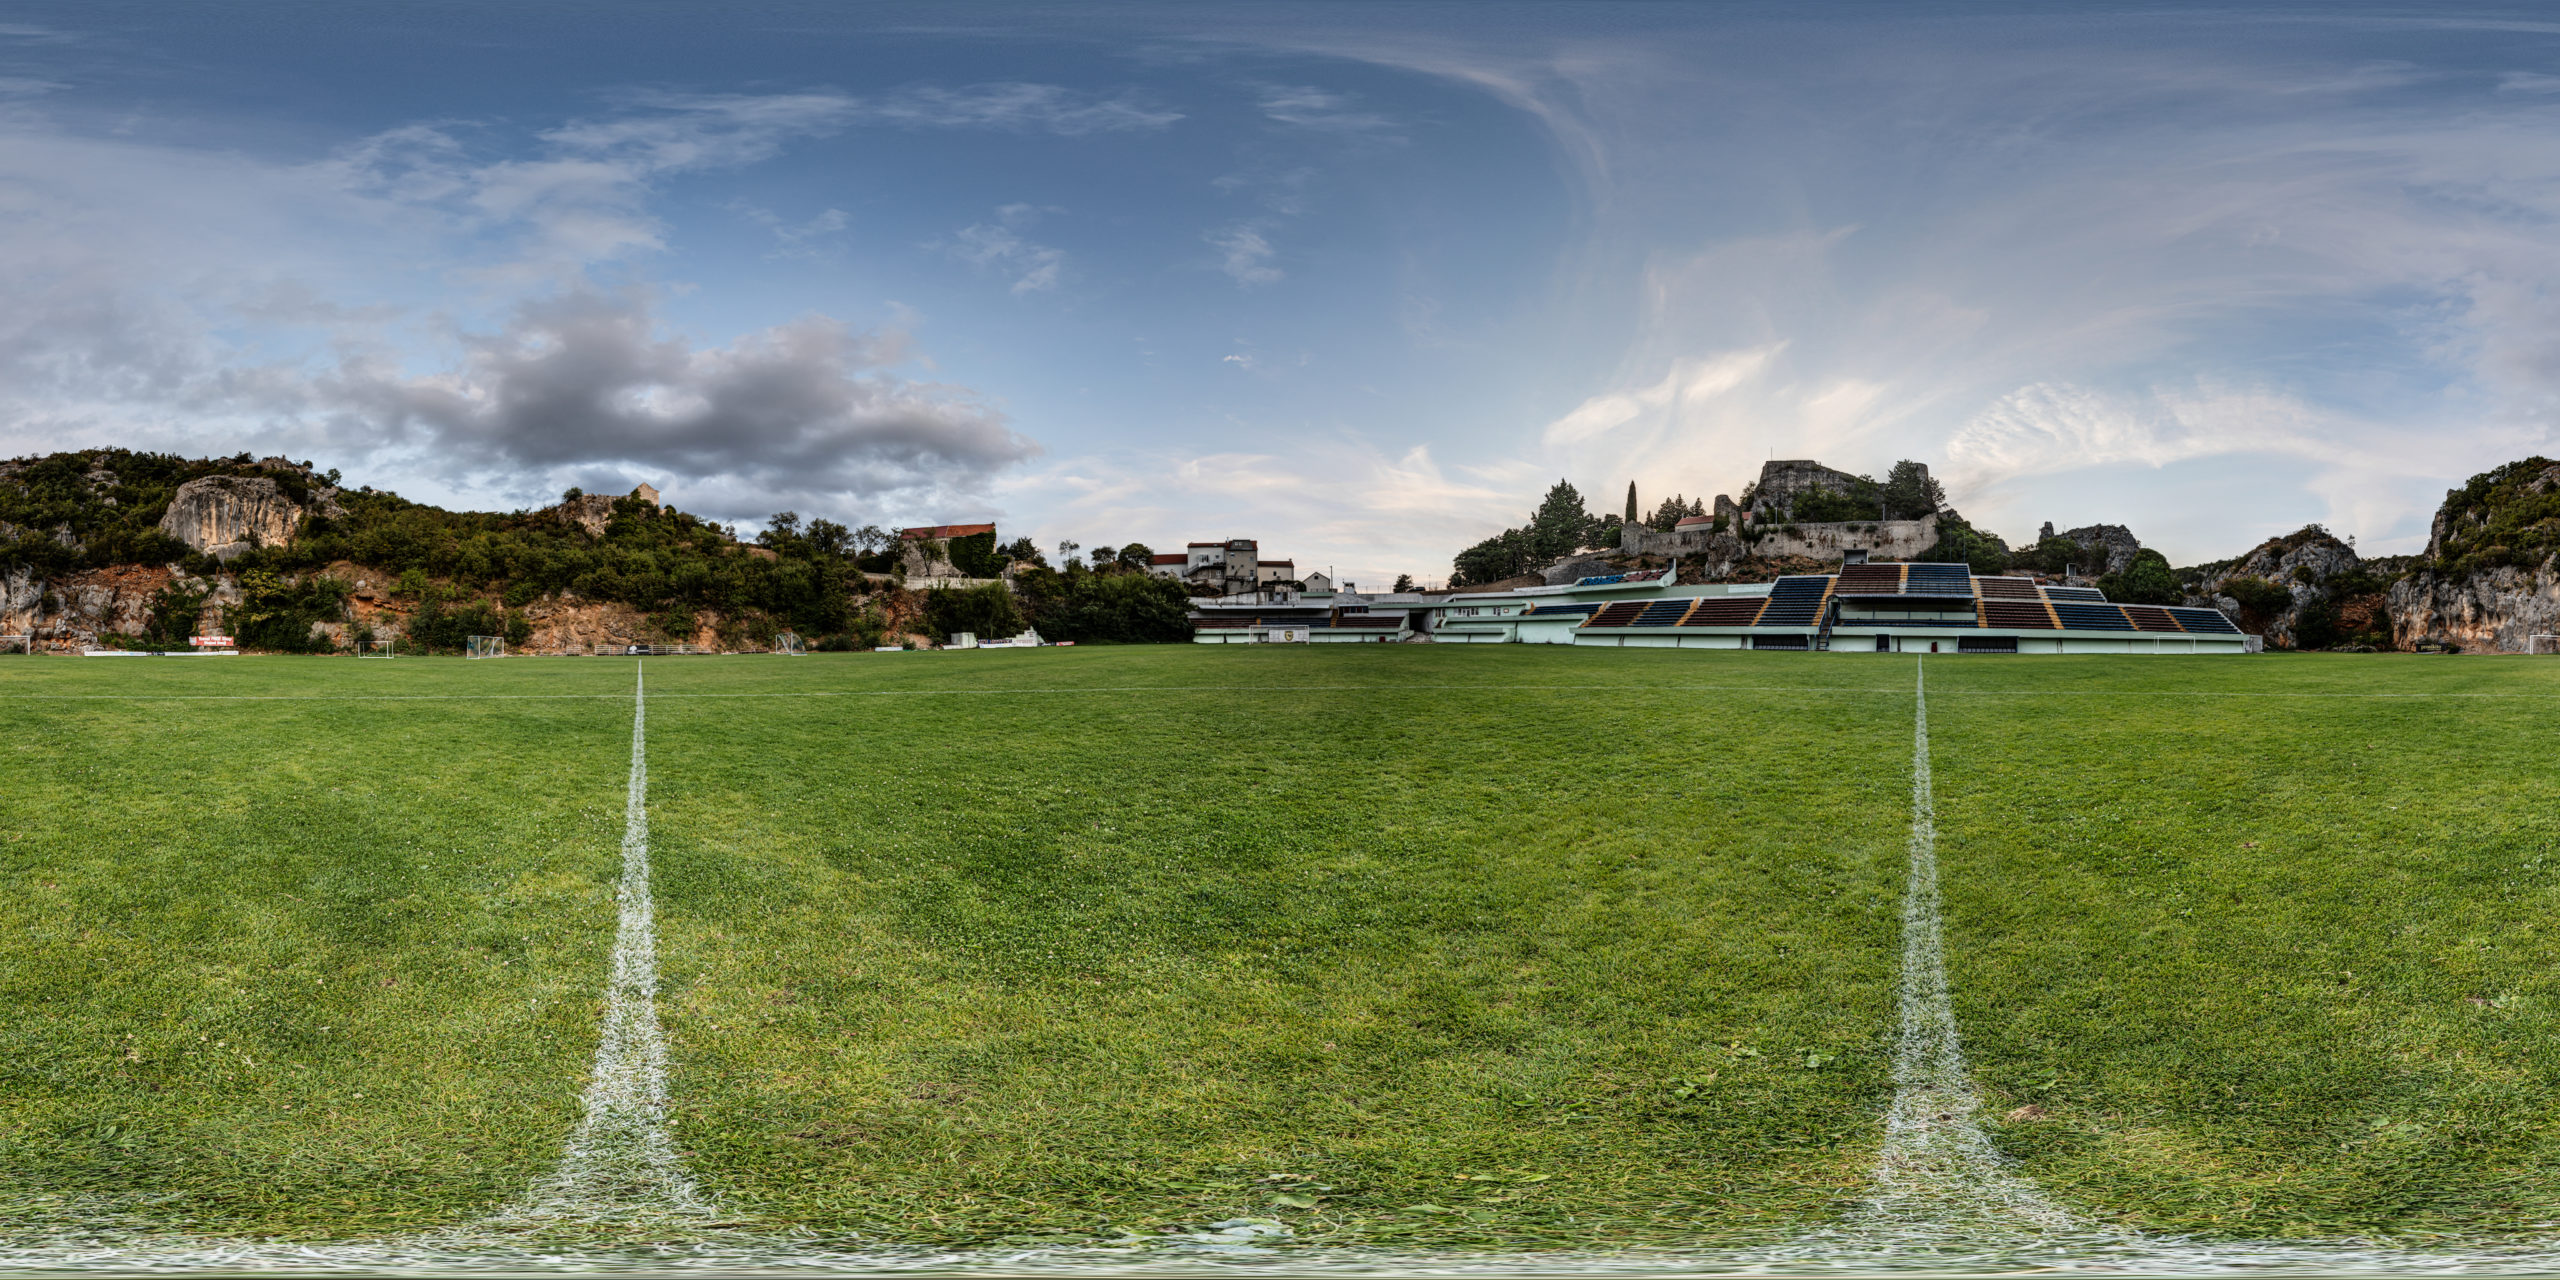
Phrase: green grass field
(1430, 947)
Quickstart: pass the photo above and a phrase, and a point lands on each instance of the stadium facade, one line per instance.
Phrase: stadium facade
(1864, 608)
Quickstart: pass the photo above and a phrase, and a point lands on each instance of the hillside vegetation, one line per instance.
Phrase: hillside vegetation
(458, 573)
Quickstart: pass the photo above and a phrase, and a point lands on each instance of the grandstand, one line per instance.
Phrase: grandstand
(1866, 608)
(1911, 608)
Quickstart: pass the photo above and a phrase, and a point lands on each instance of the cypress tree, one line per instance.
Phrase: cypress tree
(1631, 502)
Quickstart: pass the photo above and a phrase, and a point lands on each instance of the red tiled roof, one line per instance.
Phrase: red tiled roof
(1686, 521)
(1175, 558)
(946, 530)
(1277, 564)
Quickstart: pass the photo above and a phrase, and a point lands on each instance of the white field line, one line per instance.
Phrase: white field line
(1938, 1169)
(620, 1162)
(1258, 688)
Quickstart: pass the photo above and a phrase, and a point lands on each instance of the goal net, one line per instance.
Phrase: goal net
(788, 644)
(2545, 643)
(377, 648)
(17, 644)
(486, 647)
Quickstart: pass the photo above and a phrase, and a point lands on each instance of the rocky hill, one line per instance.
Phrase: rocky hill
(2490, 578)
(114, 548)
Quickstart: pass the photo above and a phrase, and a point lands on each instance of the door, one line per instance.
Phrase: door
(1884, 644)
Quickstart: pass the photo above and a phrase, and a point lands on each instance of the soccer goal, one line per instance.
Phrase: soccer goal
(788, 644)
(17, 644)
(377, 648)
(2545, 643)
(486, 647)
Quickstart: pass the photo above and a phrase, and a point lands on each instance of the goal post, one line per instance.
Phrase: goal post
(17, 644)
(377, 648)
(2543, 643)
(486, 647)
(788, 644)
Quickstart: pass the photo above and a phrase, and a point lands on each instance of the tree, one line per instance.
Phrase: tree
(1023, 551)
(780, 531)
(1136, 555)
(1910, 493)
(987, 610)
(1959, 542)
(1631, 502)
(1504, 555)
(1561, 525)
(1673, 510)
(1404, 582)
(2148, 580)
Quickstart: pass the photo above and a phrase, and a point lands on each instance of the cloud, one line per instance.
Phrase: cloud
(581, 193)
(1245, 255)
(807, 410)
(1320, 109)
(1019, 107)
(1000, 245)
(809, 239)
(1689, 385)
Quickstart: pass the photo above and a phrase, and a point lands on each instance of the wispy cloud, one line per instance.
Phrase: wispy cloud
(999, 245)
(1026, 108)
(1307, 107)
(1245, 254)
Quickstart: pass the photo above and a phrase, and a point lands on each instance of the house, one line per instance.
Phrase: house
(944, 532)
(1230, 567)
(1169, 565)
(924, 552)
(1266, 572)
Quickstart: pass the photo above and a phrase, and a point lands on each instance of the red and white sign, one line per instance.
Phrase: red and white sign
(210, 642)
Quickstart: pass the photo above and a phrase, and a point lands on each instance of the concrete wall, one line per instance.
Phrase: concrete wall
(1883, 539)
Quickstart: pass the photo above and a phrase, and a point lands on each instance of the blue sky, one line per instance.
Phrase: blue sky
(1357, 280)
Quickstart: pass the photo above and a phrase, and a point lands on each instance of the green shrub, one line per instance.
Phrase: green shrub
(280, 615)
(2148, 580)
(2259, 600)
(988, 611)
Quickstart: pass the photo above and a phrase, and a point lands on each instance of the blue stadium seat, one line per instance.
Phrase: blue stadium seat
(1795, 602)
(2204, 621)
(2079, 616)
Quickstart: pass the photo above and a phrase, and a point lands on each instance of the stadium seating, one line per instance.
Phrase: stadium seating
(1796, 601)
(1664, 613)
(1622, 613)
(2150, 617)
(2204, 621)
(2081, 616)
(1937, 580)
(1870, 580)
(2087, 595)
(2016, 614)
(1725, 611)
(1782, 642)
(1559, 610)
(2005, 588)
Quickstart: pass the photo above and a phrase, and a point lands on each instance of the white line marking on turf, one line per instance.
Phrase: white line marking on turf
(1938, 1168)
(620, 1162)
(1250, 688)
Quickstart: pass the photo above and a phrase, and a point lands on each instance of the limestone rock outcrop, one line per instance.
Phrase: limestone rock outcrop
(224, 516)
(1783, 480)
(2306, 589)
(2495, 610)
(2115, 540)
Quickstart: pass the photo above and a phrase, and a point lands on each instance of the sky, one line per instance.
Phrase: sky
(1357, 280)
